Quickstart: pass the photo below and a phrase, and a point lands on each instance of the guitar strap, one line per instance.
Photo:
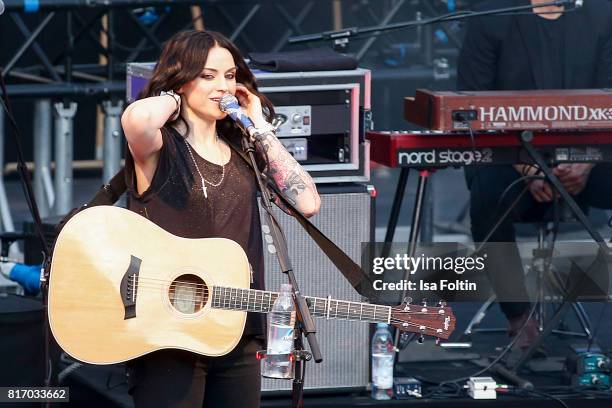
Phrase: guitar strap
(358, 279)
(109, 193)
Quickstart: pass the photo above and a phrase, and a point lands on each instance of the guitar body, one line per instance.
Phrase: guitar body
(121, 287)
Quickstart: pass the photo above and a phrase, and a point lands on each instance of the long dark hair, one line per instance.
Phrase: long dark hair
(182, 59)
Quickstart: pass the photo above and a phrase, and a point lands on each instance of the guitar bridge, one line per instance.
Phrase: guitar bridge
(129, 288)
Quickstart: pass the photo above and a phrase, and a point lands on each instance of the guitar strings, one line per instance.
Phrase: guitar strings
(198, 286)
(232, 303)
(202, 291)
(228, 296)
(226, 293)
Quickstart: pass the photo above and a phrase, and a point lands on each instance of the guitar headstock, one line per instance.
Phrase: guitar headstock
(437, 321)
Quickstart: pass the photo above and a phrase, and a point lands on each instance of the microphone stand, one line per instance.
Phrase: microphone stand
(33, 208)
(341, 38)
(305, 323)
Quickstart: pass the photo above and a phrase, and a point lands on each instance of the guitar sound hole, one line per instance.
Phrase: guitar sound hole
(188, 293)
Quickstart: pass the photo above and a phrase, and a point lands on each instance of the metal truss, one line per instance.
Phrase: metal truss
(117, 32)
(372, 13)
(65, 74)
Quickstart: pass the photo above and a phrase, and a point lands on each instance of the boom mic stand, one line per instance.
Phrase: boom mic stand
(306, 325)
(341, 38)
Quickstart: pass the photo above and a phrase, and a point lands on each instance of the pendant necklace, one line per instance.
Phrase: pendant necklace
(202, 179)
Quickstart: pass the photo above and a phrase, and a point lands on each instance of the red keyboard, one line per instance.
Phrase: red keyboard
(450, 149)
(586, 109)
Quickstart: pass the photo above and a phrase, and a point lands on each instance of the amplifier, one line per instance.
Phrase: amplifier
(324, 116)
(347, 218)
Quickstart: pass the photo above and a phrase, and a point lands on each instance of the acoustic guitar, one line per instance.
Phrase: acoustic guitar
(121, 287)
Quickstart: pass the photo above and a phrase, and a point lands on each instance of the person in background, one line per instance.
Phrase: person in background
(547, 48)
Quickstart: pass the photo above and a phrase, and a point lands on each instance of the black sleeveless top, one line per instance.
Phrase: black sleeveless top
(175, 201)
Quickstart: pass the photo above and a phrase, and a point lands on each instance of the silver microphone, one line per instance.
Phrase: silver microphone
(1, 7)
(229, 104)
(576, 4)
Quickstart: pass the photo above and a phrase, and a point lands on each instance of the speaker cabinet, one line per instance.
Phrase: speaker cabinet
(346, 217)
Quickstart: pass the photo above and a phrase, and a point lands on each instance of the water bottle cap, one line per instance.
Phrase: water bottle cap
(285, 287)
(381, 325)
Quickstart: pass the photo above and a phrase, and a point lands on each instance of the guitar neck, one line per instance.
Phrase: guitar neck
(261, 301)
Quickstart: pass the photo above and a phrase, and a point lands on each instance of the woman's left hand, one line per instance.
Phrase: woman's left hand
(251, 104)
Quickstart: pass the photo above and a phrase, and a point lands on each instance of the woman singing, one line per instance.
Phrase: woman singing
(183, 175)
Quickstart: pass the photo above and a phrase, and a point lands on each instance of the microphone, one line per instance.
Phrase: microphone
(1, 7)
(229, 104)
(576, 3)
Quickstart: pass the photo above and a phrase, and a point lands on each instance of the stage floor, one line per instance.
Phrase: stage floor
(105, 386)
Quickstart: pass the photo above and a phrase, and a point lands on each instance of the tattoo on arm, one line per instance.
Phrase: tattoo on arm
(294, 185)
(287, 173)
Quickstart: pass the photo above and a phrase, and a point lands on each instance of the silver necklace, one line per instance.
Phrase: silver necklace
(202, 179)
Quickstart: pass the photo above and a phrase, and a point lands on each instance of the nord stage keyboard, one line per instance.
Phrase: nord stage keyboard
(433, 149)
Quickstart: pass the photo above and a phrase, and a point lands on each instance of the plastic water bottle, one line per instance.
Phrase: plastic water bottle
(278, 362)
(382, 363)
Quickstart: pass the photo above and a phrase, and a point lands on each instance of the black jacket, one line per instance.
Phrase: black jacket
(498, 52)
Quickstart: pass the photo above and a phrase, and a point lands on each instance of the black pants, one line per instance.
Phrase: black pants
(176, 378)
(487, 184)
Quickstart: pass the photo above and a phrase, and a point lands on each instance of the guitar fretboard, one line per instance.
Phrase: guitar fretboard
(252, 300)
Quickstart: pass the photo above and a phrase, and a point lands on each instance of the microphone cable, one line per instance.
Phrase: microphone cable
(500, 356)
